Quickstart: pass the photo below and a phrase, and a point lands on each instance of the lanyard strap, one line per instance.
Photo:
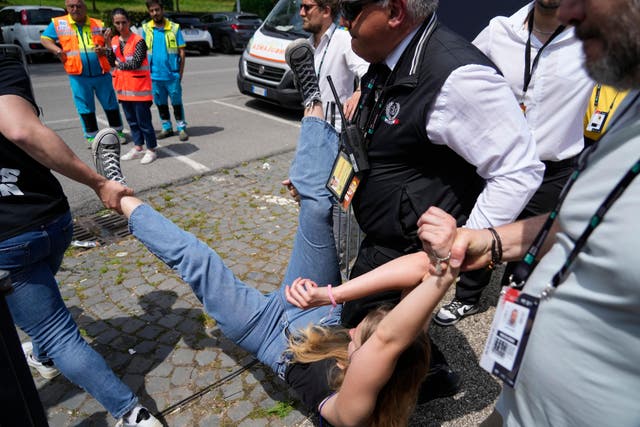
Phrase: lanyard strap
(596, 220)
(525, 267)
(375, 91)
(596, 99)
(325, 52)
(528, 67)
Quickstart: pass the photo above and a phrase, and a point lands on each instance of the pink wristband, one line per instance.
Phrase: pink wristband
(331, 298)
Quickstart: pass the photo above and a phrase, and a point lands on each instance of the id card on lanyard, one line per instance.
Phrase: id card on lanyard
(509, 334)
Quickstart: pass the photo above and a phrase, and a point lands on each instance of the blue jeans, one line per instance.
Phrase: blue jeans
(163, 90)
(258, 323)
(33, 258)
(314, 252)
(138, 114)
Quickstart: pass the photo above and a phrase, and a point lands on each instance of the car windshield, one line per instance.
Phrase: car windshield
(43, 16)
(285, 18)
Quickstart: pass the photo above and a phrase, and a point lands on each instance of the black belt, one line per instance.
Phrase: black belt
(551, 165)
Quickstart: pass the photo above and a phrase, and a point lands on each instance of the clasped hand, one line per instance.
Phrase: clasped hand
(305, 293)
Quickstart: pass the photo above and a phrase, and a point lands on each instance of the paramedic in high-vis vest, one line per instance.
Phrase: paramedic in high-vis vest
(165, 49)
(132, 82)
(82, 51)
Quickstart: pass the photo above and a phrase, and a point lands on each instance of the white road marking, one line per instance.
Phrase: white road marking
(198, 167)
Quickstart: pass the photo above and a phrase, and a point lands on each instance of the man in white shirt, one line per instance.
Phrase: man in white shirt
(553, 95)
(333, 57)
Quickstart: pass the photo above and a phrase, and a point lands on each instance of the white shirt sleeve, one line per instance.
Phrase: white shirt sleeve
(477, 116)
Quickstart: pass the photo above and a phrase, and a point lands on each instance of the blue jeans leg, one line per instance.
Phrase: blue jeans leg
(37, 308)
(143, 115)
(129, 109)
(314, 252)
(245, 315)
(256, 322)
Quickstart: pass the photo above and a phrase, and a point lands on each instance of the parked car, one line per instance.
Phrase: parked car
(23, 25)
(195, 35)
(231, 30)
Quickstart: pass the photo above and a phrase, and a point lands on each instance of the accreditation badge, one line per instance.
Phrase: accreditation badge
(343, 182)
(509, 334)
(597, 121)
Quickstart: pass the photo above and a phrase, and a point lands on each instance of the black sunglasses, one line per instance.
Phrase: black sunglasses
(351, 9)
(307, 7)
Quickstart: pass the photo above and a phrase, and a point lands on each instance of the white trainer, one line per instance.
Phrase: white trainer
(149, 156)
(132, 154)
(47, 369)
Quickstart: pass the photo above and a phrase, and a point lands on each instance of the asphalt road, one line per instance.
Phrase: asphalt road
(226, 127)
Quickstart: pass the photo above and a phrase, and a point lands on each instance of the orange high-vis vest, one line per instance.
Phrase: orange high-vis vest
(131, 85)
(68, 37)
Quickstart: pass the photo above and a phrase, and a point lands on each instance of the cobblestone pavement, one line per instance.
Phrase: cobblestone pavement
(152, 331)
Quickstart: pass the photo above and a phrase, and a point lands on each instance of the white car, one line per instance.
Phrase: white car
(23, 25)
(193, 31)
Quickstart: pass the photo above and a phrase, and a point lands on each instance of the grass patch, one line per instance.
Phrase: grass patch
(206, 320)
(280, 410)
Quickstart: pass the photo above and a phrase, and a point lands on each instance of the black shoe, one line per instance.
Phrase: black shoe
(299, 57)
(440, 382)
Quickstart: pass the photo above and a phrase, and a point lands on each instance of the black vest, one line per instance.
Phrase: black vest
(409, 173)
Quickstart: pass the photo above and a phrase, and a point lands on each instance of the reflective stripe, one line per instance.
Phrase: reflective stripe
(132, 93)
(73, 53)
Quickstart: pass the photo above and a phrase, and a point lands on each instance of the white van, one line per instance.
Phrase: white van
(263, 71)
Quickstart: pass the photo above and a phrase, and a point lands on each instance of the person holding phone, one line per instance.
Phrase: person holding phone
(132, 82)
(82, 51)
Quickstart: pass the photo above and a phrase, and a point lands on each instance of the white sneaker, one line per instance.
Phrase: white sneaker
(47, 370)
(148, 157)
(451, 313)
(132, 154)
(138, 417)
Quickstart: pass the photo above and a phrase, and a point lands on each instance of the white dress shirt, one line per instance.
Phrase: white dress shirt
(559, 91)
(334, 57)
(477, 116)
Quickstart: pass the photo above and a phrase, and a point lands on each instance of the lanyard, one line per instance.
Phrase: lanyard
(374, 94)
(597, 98)
(325, 52)
(528, 67)
(525, 267)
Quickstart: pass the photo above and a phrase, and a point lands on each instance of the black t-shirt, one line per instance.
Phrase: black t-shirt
(311, 381)
(30, 195)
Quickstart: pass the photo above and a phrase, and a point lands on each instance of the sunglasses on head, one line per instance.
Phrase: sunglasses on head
(307, 7)
(351, 9)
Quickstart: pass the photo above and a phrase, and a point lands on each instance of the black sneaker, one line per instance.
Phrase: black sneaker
(451, 313)
(106, 154)
(299, 57)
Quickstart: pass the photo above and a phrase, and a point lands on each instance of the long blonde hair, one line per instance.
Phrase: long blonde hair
(397, 398)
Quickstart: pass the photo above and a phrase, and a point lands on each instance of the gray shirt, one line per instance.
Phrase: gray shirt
(582, 363)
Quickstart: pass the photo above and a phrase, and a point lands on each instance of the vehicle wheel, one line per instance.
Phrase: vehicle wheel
(227, 46)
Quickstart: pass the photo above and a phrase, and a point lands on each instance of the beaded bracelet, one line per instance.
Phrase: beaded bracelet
(496, 249)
